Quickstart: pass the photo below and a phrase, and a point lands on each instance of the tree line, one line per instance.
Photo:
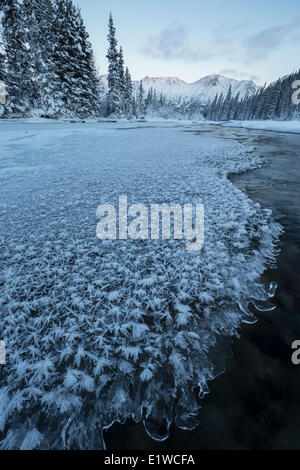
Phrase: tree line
(123, 99)
(48, 66)
(120, 100)
(269, 102)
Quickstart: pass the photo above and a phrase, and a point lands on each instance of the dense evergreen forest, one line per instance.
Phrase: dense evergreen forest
(269, 102)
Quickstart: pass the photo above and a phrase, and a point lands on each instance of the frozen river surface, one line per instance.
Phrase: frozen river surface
(98, 332)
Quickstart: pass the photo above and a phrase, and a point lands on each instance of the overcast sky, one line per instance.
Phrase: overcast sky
(243, 39)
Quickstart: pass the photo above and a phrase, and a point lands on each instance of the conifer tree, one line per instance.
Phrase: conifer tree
(64, 50)
(75, 87)
(260, 102)
(219, 108)
(40, 18)
(121, 80)
(2, 75)
(141, 100)
(113, 102)
(212, 109)
(234, 107)
(227, 105)
(286, 102)
(2, 57)
(87, 80)
(149, 98)
(128, 97)
(155, 100)
(19, 83)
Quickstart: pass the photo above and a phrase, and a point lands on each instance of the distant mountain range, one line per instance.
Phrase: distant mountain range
(203, 90)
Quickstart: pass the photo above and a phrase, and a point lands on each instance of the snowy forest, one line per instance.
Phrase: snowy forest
(272, 102)
(47, 61)
(48, 67)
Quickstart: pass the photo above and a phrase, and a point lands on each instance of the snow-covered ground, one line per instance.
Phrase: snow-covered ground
(276, 126)
(101, 331)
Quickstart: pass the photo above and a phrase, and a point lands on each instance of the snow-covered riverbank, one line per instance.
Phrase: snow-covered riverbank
(101, 331)
(275, 126)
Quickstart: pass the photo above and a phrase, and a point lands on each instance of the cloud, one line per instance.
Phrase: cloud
(234, 73)
(227, 42)
(173, 43)
(227, 29)
(258, 46)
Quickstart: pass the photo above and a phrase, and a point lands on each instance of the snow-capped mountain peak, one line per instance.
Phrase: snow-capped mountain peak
(170, 81)
(203, 90)
(207, 87)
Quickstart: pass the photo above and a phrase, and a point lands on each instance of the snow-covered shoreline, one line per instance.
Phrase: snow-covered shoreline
(274, 126)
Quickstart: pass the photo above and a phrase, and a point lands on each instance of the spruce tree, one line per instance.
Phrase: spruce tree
(71, 64)
(19, 80)
(40, 18)
(141, 101)
(63, 53)
(287, 105)
(48, 71)
(227, 104)
(219, 110)
(149, 98)
(155, 100)
(212, 109)
(2, 76)
(113, 102)
(121, 81)
(2, 57)
(234, 107)
(260, 102)
(161, 100)
(2, 72)
(87, 83)
(128, 96)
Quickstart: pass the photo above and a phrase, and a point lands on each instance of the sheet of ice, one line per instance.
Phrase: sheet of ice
(276, 126)
(101, 331)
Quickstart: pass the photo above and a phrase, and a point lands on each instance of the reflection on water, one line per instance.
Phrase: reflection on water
(256, 403)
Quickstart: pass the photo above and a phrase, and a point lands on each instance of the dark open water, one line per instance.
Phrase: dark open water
(255, 404)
